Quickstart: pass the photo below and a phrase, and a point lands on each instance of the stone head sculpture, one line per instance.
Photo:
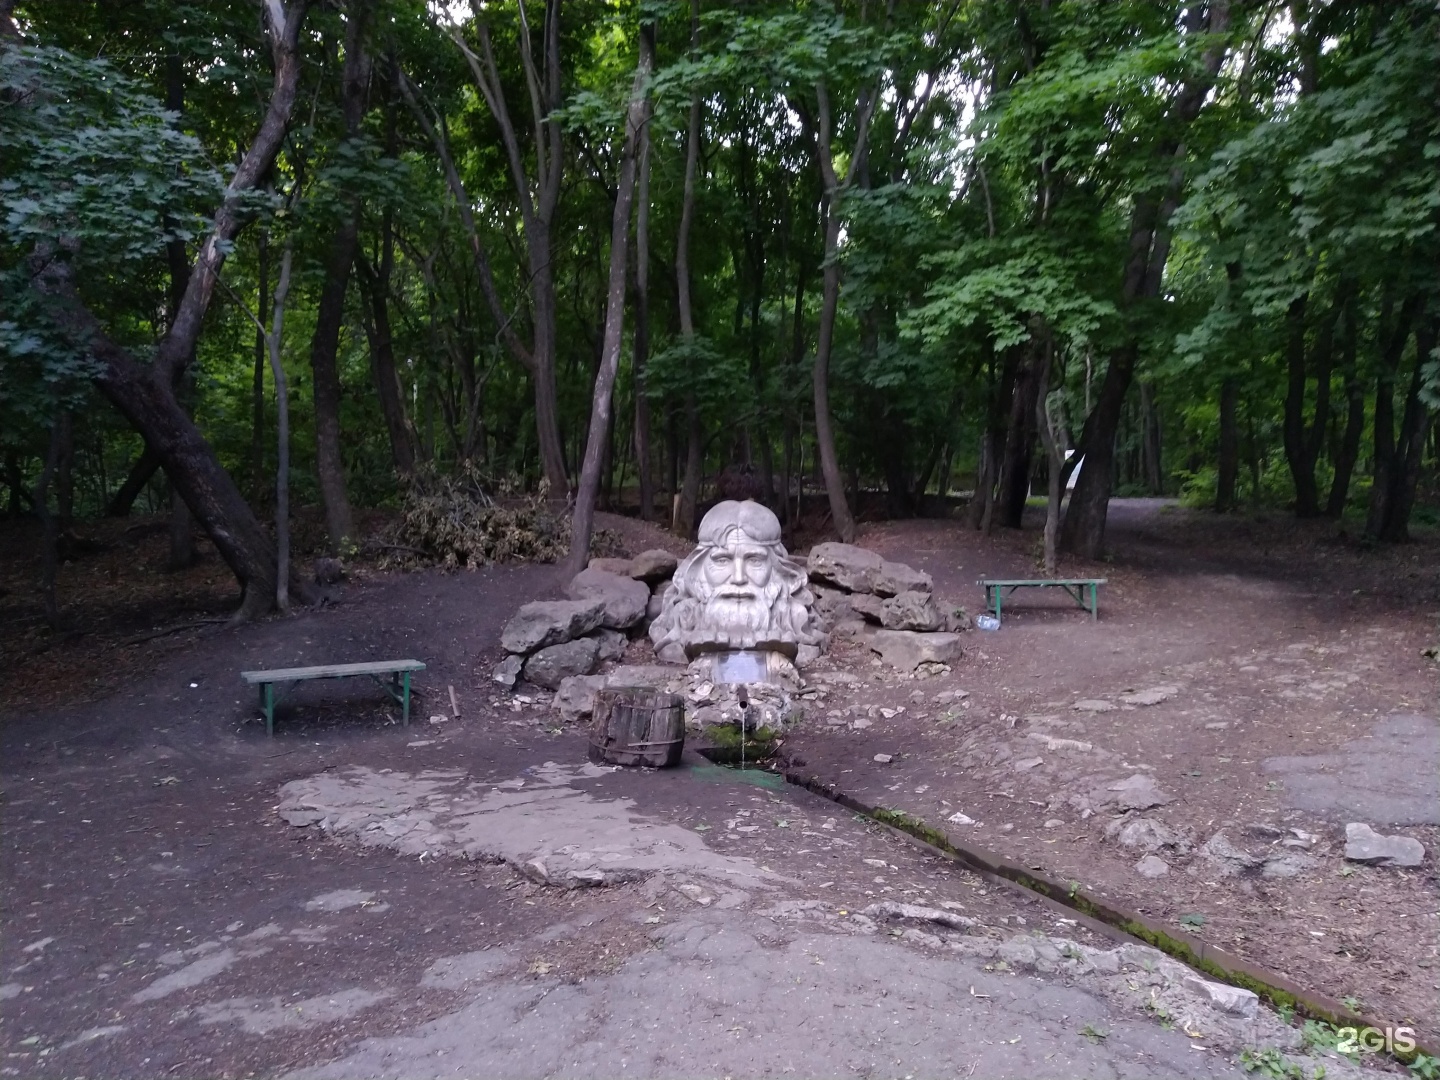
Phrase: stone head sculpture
(739, 589)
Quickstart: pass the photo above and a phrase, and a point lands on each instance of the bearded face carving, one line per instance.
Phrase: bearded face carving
(739, 589)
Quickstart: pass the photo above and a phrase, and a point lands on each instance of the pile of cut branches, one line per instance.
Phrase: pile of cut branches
(466, 519)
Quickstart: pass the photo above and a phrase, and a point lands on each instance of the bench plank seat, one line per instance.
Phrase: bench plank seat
(398, 685)
(331, 671)
(1076, 588)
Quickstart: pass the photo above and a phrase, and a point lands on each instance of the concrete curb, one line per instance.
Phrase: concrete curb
(1212, 961)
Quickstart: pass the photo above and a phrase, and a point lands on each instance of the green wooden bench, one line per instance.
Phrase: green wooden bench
(397, 685)
(1076, 588)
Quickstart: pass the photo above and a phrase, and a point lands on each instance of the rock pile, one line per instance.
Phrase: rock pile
(855, 590)
(549, 641)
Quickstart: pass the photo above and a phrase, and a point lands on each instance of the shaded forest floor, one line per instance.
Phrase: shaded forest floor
(139, 783)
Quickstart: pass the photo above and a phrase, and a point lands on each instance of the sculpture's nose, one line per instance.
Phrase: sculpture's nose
(737, 572)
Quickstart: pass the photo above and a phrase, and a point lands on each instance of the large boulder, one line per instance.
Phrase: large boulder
(553, 665)
(911, 611)
(624, 598)
(610, 566)
(870, 608)
(612, 643)
(907, 649)
(550, 622)
(653, 566)
(860, 570)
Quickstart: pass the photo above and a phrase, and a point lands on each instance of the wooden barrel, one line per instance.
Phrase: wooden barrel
(635, 725)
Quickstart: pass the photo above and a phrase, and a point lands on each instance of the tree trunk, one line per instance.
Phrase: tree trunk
(49, 520)
(1229, 468)
(583, 522)
(1084, 529)
(538, 203)
(1055, 457)
(1306, 495)
(182, 534)
(1382, 487)
(1404, 470)
(1014, 483)
(1151, 462)
(1348, 451)
(123, 501)
(684, 523)
(282, 435)
(145, 394)
(840, 514)
(257, 379)
(642, 306)
(375, 290)
(325, 376)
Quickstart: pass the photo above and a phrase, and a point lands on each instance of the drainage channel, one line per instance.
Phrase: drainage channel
(1279, 991)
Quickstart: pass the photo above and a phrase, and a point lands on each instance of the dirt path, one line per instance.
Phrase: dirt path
(162, 917)
(1289, 693)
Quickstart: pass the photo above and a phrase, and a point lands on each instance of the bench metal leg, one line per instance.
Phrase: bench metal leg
(267, 702)
(1094, 602)
(405, 707)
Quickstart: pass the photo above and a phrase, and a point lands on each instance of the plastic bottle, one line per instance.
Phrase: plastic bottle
(987, 622)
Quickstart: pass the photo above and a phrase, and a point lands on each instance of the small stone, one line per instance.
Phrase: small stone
(1288, 864)
(884, 759)
(1226, 859)
(1091, 705)
(1054, 823)
(507, 672)
(949, 697)
(958, 818)
(1217, 725)
(1152, 866)
(1153, 696)
(1025, 764)
(1228, 999)
(1364, 845)
(1144, 834)
(860, 723)
(1138, 792)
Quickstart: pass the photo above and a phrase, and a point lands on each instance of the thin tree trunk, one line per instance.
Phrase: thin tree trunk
(583, 521)
(1393, 338)
(840, 514)
(1348, 451)
(282, 435)
(1014, 482)
(684, 523)
(375, 290)
(325, 382)
(1229, 467)
(1151, 464)
(642, 303)
(538, 204)
(49, 521)
(146, 465)
(257, 380)
(1410, 447)
(1055, 457)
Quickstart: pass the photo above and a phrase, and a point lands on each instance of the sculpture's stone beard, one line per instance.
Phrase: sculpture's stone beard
(754, 613)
